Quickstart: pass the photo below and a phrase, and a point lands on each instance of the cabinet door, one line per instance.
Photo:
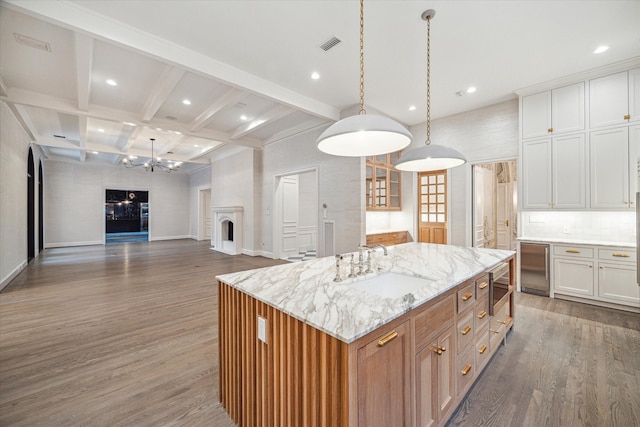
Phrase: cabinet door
(617, 282)
(567, 108)
(384, 380)
(573, 276)
(609, 100)
(609, 168)
(569, 172)
(634, 95)
(435, 378)
(536, 174)
(634, 162)
(536, 115)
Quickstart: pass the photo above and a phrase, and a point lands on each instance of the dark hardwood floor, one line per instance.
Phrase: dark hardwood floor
(126, 335)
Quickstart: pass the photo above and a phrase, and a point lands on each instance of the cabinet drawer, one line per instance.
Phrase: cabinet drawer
(498, 326)
(465, 331)
(572, 251)
(429, 321)
(621, 255)
(466, 371)
(481, 314)
(482, 287)
(483, 350)
(466, 296)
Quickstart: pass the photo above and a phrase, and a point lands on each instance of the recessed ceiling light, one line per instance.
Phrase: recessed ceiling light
(315, 75)
(243, 117)
(112, 82)
(100, 130)
(471, 89)
(95, 152)
(601, 49)
(196, 145)
(186, 102)
(412, 108)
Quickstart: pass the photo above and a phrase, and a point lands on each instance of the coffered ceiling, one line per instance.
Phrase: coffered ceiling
(245, 66)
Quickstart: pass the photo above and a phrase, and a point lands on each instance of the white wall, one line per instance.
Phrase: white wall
(75, 195)
(481, 135)
(14, 150)
(198, 180)
(341, 187)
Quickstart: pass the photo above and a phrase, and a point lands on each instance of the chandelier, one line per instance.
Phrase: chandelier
(154, 162)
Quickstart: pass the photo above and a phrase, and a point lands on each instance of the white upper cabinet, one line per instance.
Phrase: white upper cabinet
(553, 112)
(554, 173)
(614, 99)
(613, 154)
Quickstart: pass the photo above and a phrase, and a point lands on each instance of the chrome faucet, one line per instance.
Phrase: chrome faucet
(338, 278)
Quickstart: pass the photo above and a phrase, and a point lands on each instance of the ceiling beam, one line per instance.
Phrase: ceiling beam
(167, 82)
(128, 133)
(84, 65)
(231, 97)
(82, 136)
(3, 88)
(306, 126)
(270, 116)
(25, 120)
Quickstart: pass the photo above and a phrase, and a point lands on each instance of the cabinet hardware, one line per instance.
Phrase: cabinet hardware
(466, 369)
(504, 322)
(572, 251)
(387, 338)
(494, 331)
(482, 314)
(483, 285)
(627, 116)
(506, 223)
(440, 350)
(601, 268)
(482, 349)
(550, 130)
(591, 266)
(467, 296)
(466, 330)
(622, 255)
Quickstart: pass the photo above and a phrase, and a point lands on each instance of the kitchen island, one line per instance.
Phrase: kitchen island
(298, 348)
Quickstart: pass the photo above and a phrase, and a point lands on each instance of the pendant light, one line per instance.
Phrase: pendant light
(363, 134)
(429, 157)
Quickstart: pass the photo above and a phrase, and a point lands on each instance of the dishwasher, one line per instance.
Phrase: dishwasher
(534, 268)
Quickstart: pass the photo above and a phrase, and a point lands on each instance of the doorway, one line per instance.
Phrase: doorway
(432, 205)
(40, 208)
(126, 216)
(495, 205)
(204, 224)
(31, 214)
(295, 229)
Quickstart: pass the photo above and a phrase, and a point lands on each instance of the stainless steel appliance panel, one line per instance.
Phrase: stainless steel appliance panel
(534, 268)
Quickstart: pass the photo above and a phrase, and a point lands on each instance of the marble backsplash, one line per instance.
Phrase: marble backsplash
(602, 226)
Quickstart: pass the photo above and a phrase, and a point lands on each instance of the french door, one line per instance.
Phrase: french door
(432, 205)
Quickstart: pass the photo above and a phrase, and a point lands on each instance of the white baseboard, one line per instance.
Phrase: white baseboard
(67, 244)
(12, 275)
(185, 236)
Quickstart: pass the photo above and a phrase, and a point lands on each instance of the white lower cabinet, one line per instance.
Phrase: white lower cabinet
(599, 274)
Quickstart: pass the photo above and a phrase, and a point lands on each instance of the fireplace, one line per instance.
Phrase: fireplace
(227, 229)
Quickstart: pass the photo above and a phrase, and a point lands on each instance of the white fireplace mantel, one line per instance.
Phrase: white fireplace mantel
(219, 241)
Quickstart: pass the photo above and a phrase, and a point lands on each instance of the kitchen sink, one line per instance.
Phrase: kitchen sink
(391, 285)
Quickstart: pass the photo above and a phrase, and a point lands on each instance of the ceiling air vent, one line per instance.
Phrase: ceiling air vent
(31, 42)
(330, 43)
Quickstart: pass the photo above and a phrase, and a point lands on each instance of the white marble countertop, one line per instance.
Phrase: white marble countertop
(306, 290)
(573, 241)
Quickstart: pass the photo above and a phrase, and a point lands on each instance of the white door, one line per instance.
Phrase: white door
(504, 202)
(289, 215)
(205, 214)
(479, 205)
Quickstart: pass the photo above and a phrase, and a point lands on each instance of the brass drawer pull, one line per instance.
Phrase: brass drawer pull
(482, 349)
(466, 330)
(550, 130)
(622, 255)
(494, 331)
(440, 350)
(482, 314)
(466, 369)
(467, 296)
(627, 116)
(483, 285)
(504, 322)
(387, 338)
(572, 251)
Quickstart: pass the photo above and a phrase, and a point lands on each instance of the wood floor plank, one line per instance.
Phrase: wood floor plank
(126, 335)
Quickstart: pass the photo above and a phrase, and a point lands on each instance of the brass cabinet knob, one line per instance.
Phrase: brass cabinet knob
(627, 116)
(550, 130)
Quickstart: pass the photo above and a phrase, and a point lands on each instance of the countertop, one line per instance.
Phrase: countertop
(307, 292)
(572, 241)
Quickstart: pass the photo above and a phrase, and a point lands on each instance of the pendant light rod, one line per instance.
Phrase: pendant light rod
(363, 134)
(427, 15)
